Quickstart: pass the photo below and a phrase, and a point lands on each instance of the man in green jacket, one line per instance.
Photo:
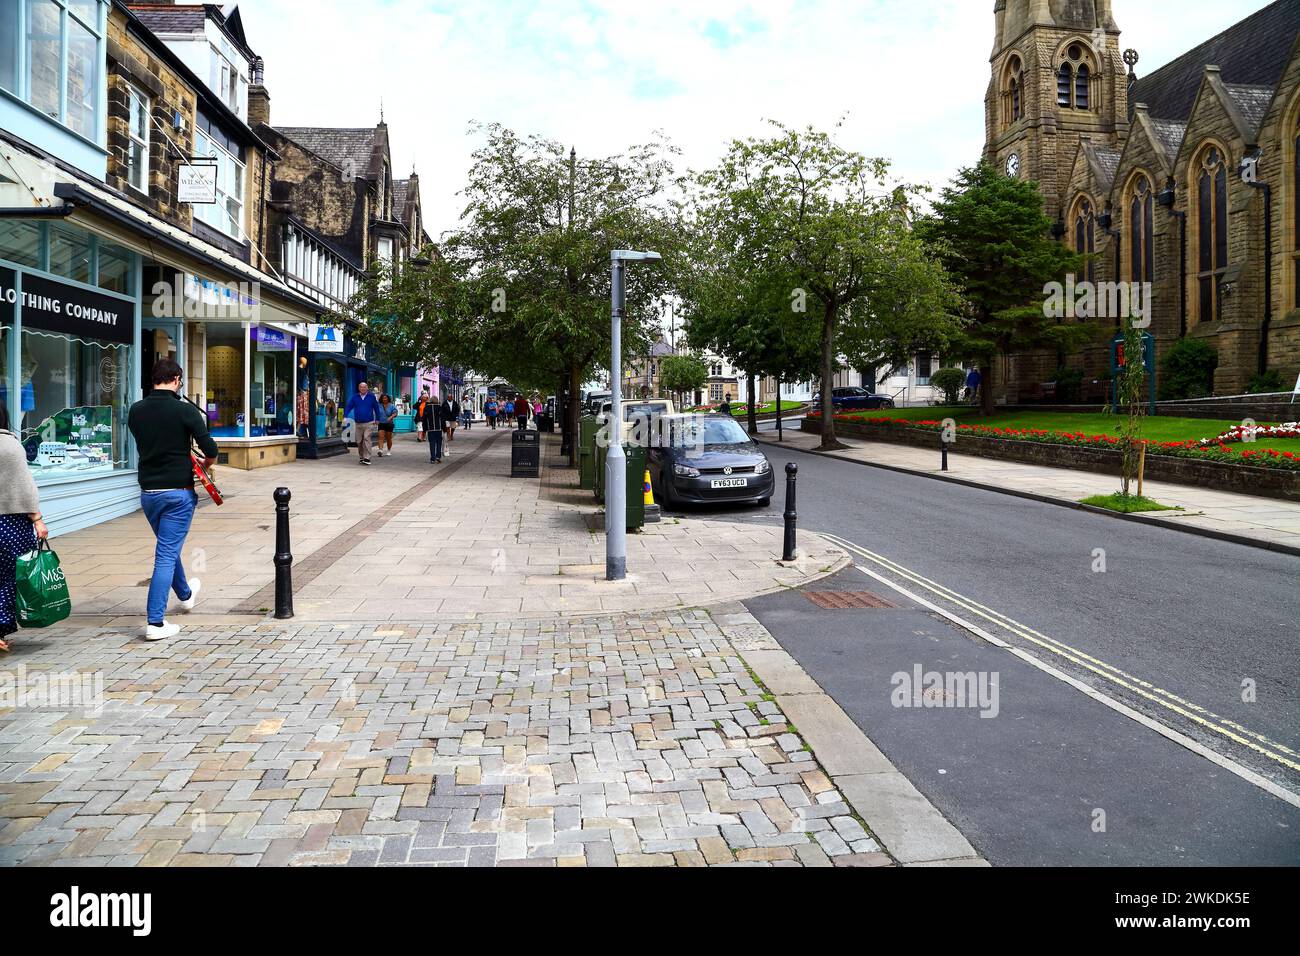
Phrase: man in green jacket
(166, 427)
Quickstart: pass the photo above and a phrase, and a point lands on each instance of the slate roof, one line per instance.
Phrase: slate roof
(1252, 52)
(1107, 164)
(400, 189)
(335, 146)
(1169, 136)
(1253, 101)
(163, 19)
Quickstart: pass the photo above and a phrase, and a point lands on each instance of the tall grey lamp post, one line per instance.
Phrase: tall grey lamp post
(615, 460)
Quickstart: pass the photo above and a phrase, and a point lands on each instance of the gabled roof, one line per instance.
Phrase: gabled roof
(189, 17)
(1253, 101)
(400, 188)
(337, 146)
(1169, 135)
(1105, 163)
(1252, 52)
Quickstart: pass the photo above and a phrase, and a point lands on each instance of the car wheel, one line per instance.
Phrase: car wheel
(764, 502)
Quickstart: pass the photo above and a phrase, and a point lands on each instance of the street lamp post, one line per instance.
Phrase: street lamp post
(615, 460)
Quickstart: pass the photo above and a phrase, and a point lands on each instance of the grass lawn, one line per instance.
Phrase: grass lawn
(1154, 427)
(1127, 504)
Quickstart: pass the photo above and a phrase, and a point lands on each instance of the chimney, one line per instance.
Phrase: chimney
(259, 100)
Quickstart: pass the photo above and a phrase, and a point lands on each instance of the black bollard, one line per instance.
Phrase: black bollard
(791, 472)
(944, 446)
(283, 557)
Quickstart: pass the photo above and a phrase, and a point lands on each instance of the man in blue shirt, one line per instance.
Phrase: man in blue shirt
(363, 408)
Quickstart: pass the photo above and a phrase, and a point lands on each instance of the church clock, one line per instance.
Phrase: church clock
(1013, 165)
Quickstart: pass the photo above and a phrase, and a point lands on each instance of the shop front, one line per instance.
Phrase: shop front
(338, 365)
(69, 366)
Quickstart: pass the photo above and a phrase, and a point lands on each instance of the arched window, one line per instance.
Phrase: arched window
(1014, 87)
(1085, 234)
(1140, 220)
(1073, 79)
(1295, 214)
(1211, 186)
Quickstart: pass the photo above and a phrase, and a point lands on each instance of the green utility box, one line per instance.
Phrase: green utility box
(635, 483)
(587, 426)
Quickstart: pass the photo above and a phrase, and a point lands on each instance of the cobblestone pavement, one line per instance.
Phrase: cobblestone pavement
(599, 741)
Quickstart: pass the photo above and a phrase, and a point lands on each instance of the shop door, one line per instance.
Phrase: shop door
(159, 340)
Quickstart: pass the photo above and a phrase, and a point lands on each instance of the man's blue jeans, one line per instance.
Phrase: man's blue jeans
(435, 444)
(169, 514)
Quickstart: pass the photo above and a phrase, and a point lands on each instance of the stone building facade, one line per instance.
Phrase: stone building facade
(1187, 178)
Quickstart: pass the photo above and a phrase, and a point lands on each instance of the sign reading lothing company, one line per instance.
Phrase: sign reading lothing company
(71, 310)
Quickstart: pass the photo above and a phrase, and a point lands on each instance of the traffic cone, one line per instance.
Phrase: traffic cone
(651, 509)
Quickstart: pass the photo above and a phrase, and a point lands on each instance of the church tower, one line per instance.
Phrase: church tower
(1058, 78)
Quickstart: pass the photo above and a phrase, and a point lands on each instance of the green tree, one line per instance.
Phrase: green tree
(992, 234)
(682, 373)
(823, 219)
(520, 290)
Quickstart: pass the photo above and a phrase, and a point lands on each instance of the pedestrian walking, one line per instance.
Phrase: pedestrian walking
(387, 412)
(166, 428)
(509, 412)
(20, 522)
(521, 411)
(725, 407)
(450, 418)
(419, 415)
(973, 381)
(365, 413)
(431, 418)
(467, 411)
(490, 411)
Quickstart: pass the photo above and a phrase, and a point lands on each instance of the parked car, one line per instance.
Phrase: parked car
(854, 397)
(709, 458)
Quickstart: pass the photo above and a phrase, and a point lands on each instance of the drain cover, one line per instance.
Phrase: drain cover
(845, 600)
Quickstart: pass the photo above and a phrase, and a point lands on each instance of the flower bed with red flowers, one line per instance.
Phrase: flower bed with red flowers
(1219, 449)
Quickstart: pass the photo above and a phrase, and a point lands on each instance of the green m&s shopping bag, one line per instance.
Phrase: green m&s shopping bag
(42, 588)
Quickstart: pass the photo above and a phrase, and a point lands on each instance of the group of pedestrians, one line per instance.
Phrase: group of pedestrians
(437, 421)
(371, 416)
(515, 410)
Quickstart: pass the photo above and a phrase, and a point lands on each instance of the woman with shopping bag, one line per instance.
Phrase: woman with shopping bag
(20, 522)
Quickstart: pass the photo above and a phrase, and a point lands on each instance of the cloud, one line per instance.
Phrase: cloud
(908, 75)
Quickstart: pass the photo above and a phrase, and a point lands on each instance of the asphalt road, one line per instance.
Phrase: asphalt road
(1196, 634)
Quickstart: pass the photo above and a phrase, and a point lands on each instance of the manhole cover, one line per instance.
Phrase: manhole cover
(845, 600)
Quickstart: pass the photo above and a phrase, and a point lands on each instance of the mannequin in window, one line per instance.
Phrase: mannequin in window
(304, 397)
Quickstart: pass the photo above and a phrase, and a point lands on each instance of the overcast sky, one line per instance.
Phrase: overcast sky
(601, 74)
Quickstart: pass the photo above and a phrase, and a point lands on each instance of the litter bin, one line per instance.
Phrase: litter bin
(587, 452)
(525, 454)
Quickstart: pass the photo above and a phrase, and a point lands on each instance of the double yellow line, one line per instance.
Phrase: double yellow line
(1168, 700)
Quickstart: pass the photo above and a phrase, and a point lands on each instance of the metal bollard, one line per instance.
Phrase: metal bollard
(791, 473)
(943, 445)
(283, 557)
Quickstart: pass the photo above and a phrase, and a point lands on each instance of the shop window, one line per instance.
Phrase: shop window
(6, 333)
(116, 273)
(270, 383)
(225, 380)
(330, 400)
(52, 58)
(73, 397)
(70, 252)
(22, 242)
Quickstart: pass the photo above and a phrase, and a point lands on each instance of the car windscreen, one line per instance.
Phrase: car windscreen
(644, 410)
(712, 431)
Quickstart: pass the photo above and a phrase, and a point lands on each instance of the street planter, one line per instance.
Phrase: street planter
(1204, 473)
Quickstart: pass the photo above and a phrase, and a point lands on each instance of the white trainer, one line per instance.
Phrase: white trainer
(160, 632)
(195, 585)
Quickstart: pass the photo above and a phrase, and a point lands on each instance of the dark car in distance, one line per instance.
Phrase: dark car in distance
(708, 459)
(854, 397)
